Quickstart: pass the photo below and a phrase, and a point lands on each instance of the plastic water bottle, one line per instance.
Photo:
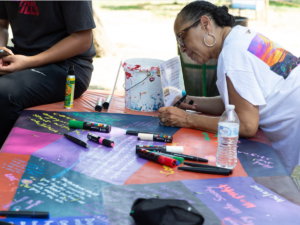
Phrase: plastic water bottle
(228, 134)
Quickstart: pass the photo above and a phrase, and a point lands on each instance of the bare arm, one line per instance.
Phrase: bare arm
(3, 32)
(207, 105)
(247, 113)
(70, 46)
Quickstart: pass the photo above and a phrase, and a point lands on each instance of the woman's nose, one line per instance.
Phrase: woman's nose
(182, 49)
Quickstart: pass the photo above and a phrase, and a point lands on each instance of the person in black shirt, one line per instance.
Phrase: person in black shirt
(48, 37)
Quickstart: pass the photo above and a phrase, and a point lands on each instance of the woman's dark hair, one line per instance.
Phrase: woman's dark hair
(194, 10)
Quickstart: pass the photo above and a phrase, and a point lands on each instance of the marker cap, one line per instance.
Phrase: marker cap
(145, 137)
(167, 161)
(175, 149)
(76, 124)
(179, 159)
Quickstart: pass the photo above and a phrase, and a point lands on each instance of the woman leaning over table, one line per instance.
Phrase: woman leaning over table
(255, 74)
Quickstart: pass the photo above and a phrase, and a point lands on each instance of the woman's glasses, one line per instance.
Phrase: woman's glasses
(181, 34)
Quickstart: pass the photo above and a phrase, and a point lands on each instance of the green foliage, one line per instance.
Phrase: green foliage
(282, 4)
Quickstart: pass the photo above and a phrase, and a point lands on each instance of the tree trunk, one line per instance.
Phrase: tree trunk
(103, 45)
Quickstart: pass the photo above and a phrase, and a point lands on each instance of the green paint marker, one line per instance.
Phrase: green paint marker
(90, 126)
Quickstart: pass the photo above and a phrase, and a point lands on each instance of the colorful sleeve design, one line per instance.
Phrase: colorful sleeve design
(278, 59)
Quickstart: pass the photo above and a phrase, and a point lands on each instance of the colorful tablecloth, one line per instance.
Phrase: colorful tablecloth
(40, 170)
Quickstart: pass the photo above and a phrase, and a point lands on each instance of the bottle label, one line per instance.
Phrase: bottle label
(228, 130)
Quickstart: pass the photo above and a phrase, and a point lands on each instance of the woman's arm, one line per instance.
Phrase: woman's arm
(70, 46)
(207, 105)
(247, 113)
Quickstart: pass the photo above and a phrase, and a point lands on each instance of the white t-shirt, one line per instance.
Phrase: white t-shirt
(267, 76)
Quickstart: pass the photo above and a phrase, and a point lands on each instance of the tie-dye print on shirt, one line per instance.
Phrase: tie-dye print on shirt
(279, 60)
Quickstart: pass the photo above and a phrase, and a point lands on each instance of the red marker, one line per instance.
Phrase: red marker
(100, 140)
(156, 158)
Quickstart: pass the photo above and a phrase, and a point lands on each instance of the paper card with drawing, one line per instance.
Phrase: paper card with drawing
(172, 80)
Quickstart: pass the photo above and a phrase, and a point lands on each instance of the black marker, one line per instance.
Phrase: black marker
(5, 223)
(205, 170)
(77, 141)
(99, 104)
(206, 166)
(187, 157)
(155, 137)
(107, 102)
(100, 140)
(90, 126)
(25, 214)
(135, 133)
(180, 101)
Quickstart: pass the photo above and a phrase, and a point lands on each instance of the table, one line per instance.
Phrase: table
(41, 170)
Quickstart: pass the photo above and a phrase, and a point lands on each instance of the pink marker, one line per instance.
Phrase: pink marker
(100, 140)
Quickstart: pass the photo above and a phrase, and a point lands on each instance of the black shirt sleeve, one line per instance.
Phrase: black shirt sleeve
(78, 15)
(3, 13)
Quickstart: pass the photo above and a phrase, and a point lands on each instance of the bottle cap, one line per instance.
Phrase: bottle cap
(230, 106)
(76, 124)
(71, 70)
(183, 92)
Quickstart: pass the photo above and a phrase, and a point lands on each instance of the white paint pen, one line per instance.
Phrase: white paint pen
(174, 149)
(155, 137)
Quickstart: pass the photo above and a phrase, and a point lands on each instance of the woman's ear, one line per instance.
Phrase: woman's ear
(205, 23)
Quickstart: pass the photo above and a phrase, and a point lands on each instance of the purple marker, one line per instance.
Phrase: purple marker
(100, 140)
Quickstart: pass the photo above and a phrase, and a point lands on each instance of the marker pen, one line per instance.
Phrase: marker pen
(205, 170)
(99, 104)
(174, 149)
(100, 140)
(5, 223)
(180, 101)
(134, 132)
(187, 157)
(77, 141)
(156, 158)
(155, 137)
(179, 159)
(90, 126)
(25, 214)
(206, 166)
(107, 102)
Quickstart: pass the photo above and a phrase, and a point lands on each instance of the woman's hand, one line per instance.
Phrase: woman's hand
(173, 117)
(13, 63)
(185, 105)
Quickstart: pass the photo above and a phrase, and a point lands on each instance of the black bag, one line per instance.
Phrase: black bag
(156, 211)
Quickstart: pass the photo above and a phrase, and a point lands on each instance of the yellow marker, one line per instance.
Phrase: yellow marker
(58, 160)
(155, 195)
(70, 87)
(75, 200)
(35, 135)
(42, 179)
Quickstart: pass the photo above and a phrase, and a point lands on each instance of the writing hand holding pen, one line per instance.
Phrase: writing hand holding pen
(184, 105)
